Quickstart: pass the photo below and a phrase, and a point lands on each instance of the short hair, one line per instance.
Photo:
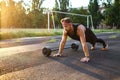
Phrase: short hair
(66, 19)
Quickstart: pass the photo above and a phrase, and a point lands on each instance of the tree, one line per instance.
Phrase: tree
(7, 16)
(13, 15)
(112, 14)
(37, 19)
(36, 16)
(79, 19)
(0, 14)
(63, 6)
(36, 4)
(22, 20)
(94, 11)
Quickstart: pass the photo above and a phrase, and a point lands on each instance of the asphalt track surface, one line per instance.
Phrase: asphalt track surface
(22, 59)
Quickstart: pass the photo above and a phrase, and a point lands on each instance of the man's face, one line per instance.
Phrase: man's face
(66, 25)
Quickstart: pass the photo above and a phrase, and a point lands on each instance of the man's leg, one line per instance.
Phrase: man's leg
(93, 46)
(91, 38)
(103, 43)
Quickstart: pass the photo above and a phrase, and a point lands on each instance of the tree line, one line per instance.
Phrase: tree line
(31, 15)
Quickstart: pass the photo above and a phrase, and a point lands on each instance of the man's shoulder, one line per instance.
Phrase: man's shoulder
(76, 24)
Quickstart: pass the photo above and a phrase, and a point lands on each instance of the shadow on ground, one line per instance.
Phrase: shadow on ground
(104, 65)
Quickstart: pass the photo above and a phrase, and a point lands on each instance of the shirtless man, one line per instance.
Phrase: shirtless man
(80, 33)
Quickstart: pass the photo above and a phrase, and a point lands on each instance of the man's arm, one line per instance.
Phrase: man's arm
(81, 33)
(62, 43)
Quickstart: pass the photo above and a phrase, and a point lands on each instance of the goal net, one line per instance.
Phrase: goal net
(55, 16)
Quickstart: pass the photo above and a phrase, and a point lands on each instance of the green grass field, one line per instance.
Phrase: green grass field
(20, 33)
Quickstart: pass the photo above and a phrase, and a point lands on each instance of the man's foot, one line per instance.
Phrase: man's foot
(57, 55)
(92, 48)
(85, 59)
(104, 49)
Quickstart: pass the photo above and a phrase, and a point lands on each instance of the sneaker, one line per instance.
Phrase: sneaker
(104, 49)
(85, 59)
(92, 48)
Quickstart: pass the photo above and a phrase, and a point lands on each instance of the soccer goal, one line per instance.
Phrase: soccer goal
(51, 13)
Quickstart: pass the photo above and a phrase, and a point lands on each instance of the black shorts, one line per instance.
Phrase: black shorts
(90, 36)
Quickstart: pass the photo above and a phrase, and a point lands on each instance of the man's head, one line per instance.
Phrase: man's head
(66, 23)
(66, 20)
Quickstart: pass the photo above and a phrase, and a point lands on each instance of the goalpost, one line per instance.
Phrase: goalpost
(88, 18)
